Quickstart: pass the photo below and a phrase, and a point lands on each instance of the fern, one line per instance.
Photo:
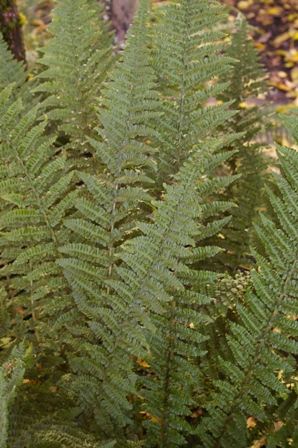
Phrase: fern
(107, 211)
(11, 70)
(11, 377)
(32, 209)
(109, 264)
(171, 374)
(246, 83)
(184, 58)
(77, 59)
(258, 376)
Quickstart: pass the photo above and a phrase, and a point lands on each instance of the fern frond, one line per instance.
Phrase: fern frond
(11, 71)
(263, 338)
(184, 58)
(77, 59)
(158, 275)
(11, 377)
(246, 83)
(107, 210)
(34, 195)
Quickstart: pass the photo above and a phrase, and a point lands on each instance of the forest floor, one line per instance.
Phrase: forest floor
(274, 28)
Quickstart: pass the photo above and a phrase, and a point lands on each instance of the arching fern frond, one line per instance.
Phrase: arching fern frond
(107, 212)
(158, 274)
(258, 376)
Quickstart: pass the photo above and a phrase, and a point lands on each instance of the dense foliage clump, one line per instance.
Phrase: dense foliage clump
(145, 301)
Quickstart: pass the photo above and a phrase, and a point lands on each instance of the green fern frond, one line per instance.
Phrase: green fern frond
(107, 211)
(184, 57)
(157, 276)
(11, 377)
(11, 71)
(34, 196)
(291, 123)
(77, 59)
(263, 338)
(246, 83)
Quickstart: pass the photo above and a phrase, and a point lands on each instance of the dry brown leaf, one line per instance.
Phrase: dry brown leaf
(251, 422)
(259, 443)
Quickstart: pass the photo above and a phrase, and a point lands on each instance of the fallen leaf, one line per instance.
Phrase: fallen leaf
(141, 362)
(244, 4)
(197, 413)
(259, 443)
(281, 38)
(280, 86)
(251, 422)
(278, 425)
(31, 382)
(282, 74)
(275, 11)
(151, 417)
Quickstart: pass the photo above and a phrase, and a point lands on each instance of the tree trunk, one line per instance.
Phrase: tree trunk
(122, 13)
(11, 28)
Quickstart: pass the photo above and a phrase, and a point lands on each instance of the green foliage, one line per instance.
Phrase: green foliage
(184, 58)
(259, 374)
(10, 69)
(11, 376)
(246, 84)
(77, 59)
(124, 196)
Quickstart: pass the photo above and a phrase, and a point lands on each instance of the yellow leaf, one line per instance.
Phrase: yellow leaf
(244, 4)
(276, 330)
(31, 382)
(251, 422)
(259, 46)
(282, 38)
(282, 74)
(191, 325)
(280, 86)
(151, 417)
(142, 363)
(275, 11)
(293, 56)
